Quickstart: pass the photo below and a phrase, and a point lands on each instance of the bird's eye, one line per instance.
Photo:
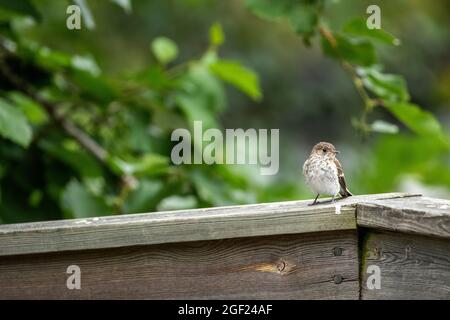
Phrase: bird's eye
(324, 150)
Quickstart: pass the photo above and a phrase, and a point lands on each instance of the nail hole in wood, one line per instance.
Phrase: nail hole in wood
(338, 279)
(337, 251)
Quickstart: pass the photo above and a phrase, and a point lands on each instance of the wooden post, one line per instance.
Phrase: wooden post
(410, 242)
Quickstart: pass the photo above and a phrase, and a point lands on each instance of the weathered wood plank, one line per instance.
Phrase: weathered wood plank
(320, 265)
(181, 226)
(412, 266)
(420, 215)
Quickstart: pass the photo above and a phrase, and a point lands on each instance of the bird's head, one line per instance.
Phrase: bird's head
(325, 150)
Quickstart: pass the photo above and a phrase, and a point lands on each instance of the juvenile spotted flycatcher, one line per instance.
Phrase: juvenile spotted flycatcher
(324, 173)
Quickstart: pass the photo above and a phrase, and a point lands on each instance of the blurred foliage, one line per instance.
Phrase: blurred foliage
(128, 118)
(79, 141)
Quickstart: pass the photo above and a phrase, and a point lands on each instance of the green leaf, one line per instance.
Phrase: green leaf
(73, 156)
(35, 198)
(149, 164)
(93, 87)
(164, 49)
(242, 78)
(353, 50)
(270, 9)
(387, 86)
(14, 125)
(22, 24)
(384, 127)
(145, 197)
(420, 121)
(85, 63)
(138, 136)
(201, 95)
(193, 107)
(77, 202)
(177, 203)
(34, 112)
(304, 19)
(216, 36)
(22, 7)
(50, 59)
(154, 77)
(302, 14)
(168, 120)
(83, 71)
(124, 4)
(358, 27)
(211, 190)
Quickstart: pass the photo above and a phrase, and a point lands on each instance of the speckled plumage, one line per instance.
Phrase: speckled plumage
(323, 172)
(321, 175)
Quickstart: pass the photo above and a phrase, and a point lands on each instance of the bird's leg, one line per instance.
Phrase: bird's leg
(334, 197)
(315, 200)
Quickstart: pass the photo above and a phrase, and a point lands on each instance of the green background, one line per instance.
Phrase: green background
(149, 67)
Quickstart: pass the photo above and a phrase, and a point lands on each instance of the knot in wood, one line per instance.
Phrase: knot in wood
(281, 265)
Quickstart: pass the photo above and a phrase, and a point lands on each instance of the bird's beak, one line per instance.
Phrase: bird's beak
(337, 151)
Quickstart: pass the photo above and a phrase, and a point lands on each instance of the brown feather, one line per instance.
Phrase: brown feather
(344, 192)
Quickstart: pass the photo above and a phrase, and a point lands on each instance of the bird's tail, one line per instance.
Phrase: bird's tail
(345, 193)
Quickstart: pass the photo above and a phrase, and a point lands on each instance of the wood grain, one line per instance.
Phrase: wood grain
(291, 217)
(303, 266)
(419, 215)
(412, 266)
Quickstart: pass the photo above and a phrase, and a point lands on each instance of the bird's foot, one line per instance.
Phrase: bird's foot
(315, 200)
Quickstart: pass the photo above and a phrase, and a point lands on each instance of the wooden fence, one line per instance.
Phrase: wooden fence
(382, 246)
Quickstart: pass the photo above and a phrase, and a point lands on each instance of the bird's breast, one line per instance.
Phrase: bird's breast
(321, 175)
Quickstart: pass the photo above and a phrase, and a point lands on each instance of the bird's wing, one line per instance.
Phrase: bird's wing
(344, 191)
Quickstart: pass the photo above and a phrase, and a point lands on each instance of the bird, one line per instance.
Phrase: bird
(323, 172)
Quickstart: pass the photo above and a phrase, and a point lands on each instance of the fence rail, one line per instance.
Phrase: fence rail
(284, 250)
